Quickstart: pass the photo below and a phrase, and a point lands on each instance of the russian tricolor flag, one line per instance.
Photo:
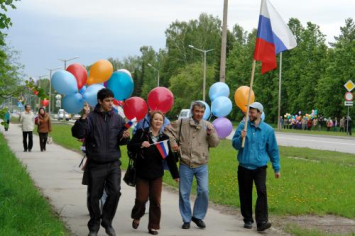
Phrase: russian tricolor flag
(163, 148)
(273, 37)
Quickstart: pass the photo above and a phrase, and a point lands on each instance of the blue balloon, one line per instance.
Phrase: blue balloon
(207, 114)
(73, 103)
(121, 84)
(82, 90)
(218, 89)
(90, 94)
(64, 82)
(221, 106)
(263, 116)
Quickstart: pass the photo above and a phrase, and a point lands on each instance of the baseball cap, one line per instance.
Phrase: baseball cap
(257, 105)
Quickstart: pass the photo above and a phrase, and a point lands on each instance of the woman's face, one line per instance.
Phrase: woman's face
(157, 121)
(41, 111)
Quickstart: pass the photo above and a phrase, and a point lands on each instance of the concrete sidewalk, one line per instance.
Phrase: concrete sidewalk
(56, 173)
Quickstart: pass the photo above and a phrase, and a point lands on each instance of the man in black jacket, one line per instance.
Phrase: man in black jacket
(103, 131)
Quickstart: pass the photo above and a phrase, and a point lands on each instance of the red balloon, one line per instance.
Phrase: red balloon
(35, 92)
(160, 99)
(118, 103)
(135, 107)
(79, 73)
(45, 102)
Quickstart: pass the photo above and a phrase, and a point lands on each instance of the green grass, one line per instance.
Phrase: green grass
(23, 210)
(312, 181)
(298, 231)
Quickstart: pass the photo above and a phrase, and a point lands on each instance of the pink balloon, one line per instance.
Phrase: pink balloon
(160, 99)
(135, 107)
(79, 73)
(223, 127)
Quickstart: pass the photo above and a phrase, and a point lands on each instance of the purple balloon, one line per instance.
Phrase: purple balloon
(223, 127)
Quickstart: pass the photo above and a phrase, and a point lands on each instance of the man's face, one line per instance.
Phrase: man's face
(254, 114)
(197, 113)
(28, 108)
(106, 104)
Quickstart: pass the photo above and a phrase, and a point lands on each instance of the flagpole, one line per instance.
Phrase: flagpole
(279, 108)
(250, 89)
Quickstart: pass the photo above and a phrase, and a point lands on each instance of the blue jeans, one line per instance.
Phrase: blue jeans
(201, 202)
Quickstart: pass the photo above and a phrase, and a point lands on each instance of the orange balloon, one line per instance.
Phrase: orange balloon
(100, 72)
(241, 97)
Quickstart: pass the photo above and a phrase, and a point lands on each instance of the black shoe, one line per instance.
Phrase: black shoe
(153, 231)
(29, 150)
(186, 225)
(25, 150)
(135, 224)
(110, 231)
(199, 222)
(263, 226)
(248, 225)
(93, 233)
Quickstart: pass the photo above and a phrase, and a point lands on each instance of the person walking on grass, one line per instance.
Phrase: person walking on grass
(44, 127)
(103, 131)
(150, 171)
(7, 118)
(27, 121)
(195, 137)
(260, 146)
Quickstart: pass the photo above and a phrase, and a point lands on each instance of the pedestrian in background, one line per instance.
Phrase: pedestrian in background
(44, 127)
(27, 121)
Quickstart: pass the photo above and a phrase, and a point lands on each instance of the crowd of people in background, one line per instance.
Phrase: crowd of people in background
(317, 123)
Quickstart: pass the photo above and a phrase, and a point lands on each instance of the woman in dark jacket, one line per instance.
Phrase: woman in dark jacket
(150, 171)
(44, 126)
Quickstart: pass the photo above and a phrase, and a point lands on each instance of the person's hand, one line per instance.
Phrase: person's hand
(177, 180)
(277, 175)
(243, 133)
(145, 144)
(175, 148)
(209, 129)
(126, 134)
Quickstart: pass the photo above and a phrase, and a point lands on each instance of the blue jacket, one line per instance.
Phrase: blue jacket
(260, 145)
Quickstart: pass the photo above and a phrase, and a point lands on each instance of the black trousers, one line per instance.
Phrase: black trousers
(246, 178)
(100, 176)
(29, 145)
(43, 140)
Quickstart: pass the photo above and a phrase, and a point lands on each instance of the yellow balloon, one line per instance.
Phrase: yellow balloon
(100, 72)
(241, 97)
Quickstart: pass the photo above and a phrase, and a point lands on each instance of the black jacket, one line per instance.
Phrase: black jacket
(103, 133)
(149, 163)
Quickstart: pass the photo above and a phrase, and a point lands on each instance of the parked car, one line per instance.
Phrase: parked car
(184, 113)
(61, 115)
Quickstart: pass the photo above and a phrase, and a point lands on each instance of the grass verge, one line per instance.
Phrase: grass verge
(23, 210)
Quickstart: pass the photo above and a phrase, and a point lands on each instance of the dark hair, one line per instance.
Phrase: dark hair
(39, 110)
(197, 104)
(26, 106)
(153, 114)
(104, 93)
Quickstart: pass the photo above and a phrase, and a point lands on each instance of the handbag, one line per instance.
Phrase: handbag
(49, 140)
(130, 175)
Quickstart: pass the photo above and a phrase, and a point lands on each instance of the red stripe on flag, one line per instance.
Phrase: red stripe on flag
(160, 149)
(265, 52)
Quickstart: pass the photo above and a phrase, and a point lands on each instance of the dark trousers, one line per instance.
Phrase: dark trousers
(102, 176)
(43, 140)
(148, 188)
(246, 178)
(29, 145)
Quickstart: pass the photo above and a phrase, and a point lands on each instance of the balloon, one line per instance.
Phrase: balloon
(121, 84)
(218, 89)
(241, 97)
(126, 71)
(64, 82)
(263, 116)
(100, 71)
(35, 92)
(207, 111)
(118, 103)
(73, 103)
(223, 127)
(221, 106)
(90, 94)
(161, 99)
(45, 102)
(82, 90)
(79, 73)
(135, 107)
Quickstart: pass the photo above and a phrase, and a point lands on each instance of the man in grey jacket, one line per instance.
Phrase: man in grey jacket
(27, 120)
(192, 137)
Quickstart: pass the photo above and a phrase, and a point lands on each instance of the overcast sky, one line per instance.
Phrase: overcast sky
(45, 30)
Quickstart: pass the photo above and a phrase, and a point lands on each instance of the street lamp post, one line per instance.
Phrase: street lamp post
(65, 61)
(150, 65)
(204, 69)
(50, 87)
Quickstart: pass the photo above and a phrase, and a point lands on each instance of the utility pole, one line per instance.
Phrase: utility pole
(222, 73)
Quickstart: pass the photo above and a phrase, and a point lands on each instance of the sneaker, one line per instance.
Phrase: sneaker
(263, 226)
(248, 225)
(186, 225)
(199, 222)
